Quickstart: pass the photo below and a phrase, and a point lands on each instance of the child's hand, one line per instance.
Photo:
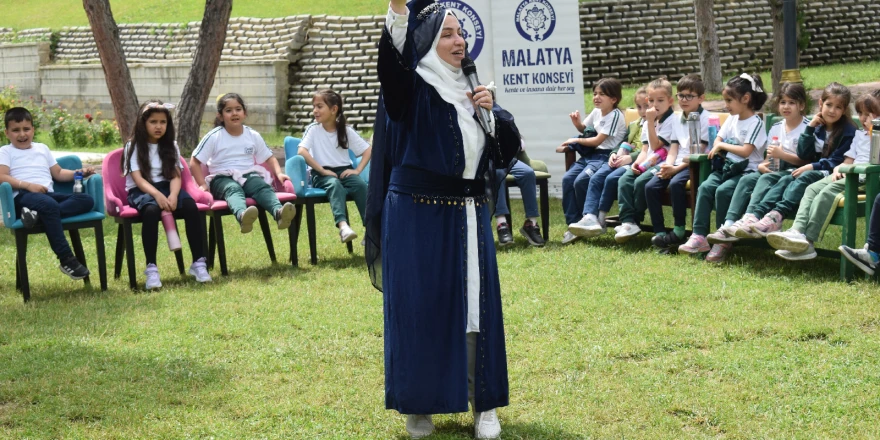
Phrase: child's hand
(282, 177)
(88, 171)
(172, 203)
(763, 167)
(835, 176)
(326, 172)
(204, 187)
(651, 114)
(774, 151)
(36, 188)
(715, 151)
(347, 173)
(626, 159)
(817, 120)
(162, 201)
(796, 173)
(666, 171)
(575, 117)
(562, 148)
(612, 161)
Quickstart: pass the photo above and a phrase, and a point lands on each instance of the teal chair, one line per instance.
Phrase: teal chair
(306, 196)
(93, 219)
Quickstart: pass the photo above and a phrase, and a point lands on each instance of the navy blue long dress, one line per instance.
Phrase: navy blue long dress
(416, 226)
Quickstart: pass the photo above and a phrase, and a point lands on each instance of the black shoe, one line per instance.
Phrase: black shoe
(667, 243)
(531, 232)
(28, 218)
(505, 237)
(72, 268)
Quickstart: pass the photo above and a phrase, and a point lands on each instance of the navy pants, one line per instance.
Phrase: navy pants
(874, 227)
(51, 208)
(677, 192)
(576, 182)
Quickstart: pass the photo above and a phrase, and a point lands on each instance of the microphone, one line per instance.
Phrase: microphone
(470, 72)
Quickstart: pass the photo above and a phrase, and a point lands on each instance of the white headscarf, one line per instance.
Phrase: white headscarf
(452, 86)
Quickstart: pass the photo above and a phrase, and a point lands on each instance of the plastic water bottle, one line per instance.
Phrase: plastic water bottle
(773, 161)
(77, 181)
(714, 127)
(693, 124)
(626, 146)
(875, 142)
(171, 231)
(653, 159)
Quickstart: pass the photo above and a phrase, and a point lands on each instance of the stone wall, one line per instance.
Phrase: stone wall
(246, 39)
(264, 84)
(20, 64)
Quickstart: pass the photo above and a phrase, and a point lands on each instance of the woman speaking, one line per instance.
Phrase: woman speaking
(430, 246)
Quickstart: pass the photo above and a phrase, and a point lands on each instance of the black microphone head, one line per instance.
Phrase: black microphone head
(468, 66)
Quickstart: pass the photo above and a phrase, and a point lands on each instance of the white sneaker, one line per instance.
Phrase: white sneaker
(346, 234)
(568, 237)
(247, 219)
(152, 273)
(285, 215)
(419, 426)
(808, 254)
(790, 240)
(581, 228)
(200, 270)
(486, 425)
(627, 231)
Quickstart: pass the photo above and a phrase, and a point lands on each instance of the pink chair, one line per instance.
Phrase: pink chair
(116, 201)
(219, 208)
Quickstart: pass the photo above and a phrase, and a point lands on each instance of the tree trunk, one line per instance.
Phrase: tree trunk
(707, 45)
(778, 42)
(212, 36)
(122, 93)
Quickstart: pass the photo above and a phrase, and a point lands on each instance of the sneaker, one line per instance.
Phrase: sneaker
(860, 257)
(695, 244)
(152, 274)
(532, 233)
(807, 254)
(505, 237)
(744, 227)
(419, 426)
(285, 215)
(627, 231)
(486, 425)
(667, 242)
(588, 226)
(247, 218)
(568, 237)
(346, 234)
(71, 267)
(200, 270)
(28, 218)
(771, 222)
(721, 236)
(790, 240)
(718, 252)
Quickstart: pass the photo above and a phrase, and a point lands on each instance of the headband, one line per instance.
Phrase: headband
(155, 105)
(751, 79)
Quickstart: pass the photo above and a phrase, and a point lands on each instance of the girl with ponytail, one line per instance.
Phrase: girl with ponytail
(325, 147)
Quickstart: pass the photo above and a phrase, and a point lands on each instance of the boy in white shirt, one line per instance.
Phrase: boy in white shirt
(30, 168)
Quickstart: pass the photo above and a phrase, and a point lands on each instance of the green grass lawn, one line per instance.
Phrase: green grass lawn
(603, 341)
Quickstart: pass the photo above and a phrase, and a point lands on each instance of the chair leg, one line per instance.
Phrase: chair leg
(507, 199)
(203, 218)
(21, 264)
(545, 209)
(76, 242)
(129, 255)
(120, 252)
(212, 243)
(267, 234)
(293, 236)
(221, 243)
(102, 257)
(313, 239)
(178, 255)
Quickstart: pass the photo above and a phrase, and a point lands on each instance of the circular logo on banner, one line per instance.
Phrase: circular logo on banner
(471, 25)
(535, 19)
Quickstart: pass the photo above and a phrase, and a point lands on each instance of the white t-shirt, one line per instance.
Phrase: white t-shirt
(613, 125)
(747, 131)
(683, 136)
(155, 165)
(221, 151)
(324, 146)
(788, 141)
(31, 165)
(665, 126)
(860, 149)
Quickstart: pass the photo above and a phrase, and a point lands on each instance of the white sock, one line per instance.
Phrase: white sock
(502, 220)
(534, 220)
(728, 223)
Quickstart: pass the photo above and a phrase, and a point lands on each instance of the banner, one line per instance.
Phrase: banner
(539, 74)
